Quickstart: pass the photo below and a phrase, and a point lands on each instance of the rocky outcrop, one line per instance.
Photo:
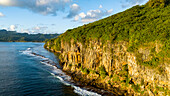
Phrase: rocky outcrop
(111, 67)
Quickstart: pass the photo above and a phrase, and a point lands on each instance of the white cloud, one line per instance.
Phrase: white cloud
(82, 15)
(25, 31)
(44, 7)
(76, 18)
(92, 15)
(100, 6)
(1, 14)
(13, 28)
(110, 11)
(88, 20)
(74, 9)
(38, 28)
(35, 30)
(4, 28)
(127, 3)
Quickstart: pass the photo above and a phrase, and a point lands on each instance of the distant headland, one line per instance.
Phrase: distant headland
(13, 36)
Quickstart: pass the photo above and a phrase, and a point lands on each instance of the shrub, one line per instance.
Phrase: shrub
(136, 87)
(103, 72)
(85, 70)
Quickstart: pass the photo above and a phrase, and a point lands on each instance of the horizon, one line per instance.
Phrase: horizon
(53, 16)
(25, 33)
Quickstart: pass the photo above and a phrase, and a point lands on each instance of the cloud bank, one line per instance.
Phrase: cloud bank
(10, 28)
(92, 15)
(128, 3)
(33, 30)
(44, 7)
(51, 7)
(36, 30)
(74, 10)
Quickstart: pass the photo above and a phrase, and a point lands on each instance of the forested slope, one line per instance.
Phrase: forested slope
(126, 53)
(12, 36)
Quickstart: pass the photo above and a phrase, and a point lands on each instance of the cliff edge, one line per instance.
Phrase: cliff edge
(126, 54)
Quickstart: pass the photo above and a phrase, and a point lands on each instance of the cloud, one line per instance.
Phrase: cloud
(74, 9)
(25, 31)
(100, 6)
(92, 15)
(1, 14)
(10, 28)
(35, 30)
(44, 7)
(39, 28)
(13, 28)
(128, 3)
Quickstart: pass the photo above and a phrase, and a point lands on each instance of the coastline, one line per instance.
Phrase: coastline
(86, 84)
(91, 88)
(64, 76)
(99, 69)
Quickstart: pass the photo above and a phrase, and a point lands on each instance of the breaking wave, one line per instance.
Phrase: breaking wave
(58, 73)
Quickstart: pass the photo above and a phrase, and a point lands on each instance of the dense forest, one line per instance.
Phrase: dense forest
(12, 36)
(137, 26)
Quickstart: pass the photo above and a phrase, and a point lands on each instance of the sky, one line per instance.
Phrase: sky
(57, 16)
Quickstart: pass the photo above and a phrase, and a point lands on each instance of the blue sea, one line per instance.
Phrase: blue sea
(27, 69)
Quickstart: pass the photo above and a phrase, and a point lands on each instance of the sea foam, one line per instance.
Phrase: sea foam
(58, 73)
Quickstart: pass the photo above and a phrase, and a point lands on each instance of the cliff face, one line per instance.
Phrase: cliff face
(113, 68)
(126, 53)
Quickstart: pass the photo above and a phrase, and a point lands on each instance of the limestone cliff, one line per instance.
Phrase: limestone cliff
(113, 68)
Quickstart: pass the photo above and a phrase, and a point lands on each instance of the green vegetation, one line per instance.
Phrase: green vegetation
(136, 88)
(145, 29)
(85, 70)
(157, 3)
(92, 71)
(70, 65)
(137, 25)
(116, 78)
(12, 36)
(162, 89)
(154, 62)
(102, 71)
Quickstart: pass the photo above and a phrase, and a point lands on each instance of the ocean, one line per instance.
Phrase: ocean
(27, 69)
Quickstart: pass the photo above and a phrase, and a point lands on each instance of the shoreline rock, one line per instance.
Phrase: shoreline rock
(112, 68)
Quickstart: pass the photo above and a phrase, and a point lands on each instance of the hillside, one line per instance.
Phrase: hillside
(12, 36)
(126, 53)
(137, 25)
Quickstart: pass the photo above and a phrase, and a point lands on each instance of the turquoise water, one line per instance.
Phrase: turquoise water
(25, 71)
